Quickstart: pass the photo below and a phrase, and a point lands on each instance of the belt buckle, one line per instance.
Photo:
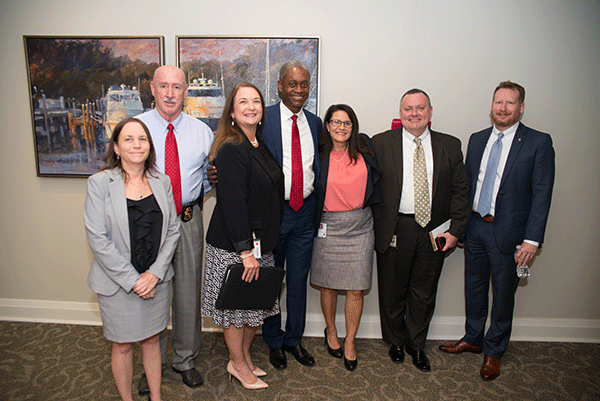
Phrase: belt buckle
(187, 213)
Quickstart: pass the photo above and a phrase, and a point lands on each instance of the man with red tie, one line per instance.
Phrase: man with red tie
(292, 135)
(182, 144)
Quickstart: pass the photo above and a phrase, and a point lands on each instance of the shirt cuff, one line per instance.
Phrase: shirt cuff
(534, 243)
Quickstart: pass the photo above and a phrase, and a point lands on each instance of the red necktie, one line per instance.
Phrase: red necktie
(172, 167)
(296, 191)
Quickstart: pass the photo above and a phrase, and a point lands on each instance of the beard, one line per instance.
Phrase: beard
(505, 123)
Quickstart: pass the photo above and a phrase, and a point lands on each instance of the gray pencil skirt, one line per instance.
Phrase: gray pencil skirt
(343, 259)
(127, 318)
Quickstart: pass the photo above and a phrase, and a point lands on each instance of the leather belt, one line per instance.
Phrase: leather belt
(488, 218)
(187, 211)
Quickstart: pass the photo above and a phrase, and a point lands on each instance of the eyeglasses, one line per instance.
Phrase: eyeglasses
(337, 123)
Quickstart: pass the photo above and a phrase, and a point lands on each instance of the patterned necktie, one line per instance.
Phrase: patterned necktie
(422, 208)
(487, 187)
(296, 190)
(172, 167)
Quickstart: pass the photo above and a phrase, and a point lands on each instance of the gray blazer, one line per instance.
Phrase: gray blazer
(107, 227)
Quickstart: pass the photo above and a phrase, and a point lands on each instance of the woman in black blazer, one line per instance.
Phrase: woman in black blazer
(342, 256)
(249, 210)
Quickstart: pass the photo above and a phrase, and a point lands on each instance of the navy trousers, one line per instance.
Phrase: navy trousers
(295, 249)
(482, 260)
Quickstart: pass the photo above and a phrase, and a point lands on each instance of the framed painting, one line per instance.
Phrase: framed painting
(214, 65)
(80, 88)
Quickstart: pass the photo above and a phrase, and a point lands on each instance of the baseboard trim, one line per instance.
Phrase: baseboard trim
(442, 327)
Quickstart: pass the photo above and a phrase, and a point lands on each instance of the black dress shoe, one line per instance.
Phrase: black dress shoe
(350, 365)
(419, 358)
(336, 353)
(396, 353)
(143, 388)
(277, 358)
(191, 377)
(302, 356)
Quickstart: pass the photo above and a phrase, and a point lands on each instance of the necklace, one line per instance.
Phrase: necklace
(254, 142)
(141, 196)
(344, 155)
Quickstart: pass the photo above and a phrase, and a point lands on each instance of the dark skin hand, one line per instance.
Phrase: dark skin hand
(211, 172)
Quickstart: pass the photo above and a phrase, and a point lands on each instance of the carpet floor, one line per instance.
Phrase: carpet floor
(41, 361)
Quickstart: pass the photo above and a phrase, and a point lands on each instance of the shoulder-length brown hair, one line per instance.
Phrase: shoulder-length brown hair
(228, 130)
(112, 161)
(356, 144)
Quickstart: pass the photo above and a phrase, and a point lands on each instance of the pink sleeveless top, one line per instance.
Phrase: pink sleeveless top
(346, 183)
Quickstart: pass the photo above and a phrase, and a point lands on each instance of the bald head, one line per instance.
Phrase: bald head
(168, 88)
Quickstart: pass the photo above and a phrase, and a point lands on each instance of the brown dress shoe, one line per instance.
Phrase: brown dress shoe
(461, 347)
(490, 369)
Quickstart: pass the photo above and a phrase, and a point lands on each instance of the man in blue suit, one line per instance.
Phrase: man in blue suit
(510, 172)
(292, 135)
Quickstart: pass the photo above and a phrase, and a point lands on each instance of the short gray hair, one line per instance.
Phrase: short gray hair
(291, 65)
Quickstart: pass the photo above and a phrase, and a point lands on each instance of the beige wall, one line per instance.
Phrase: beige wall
(372, 51)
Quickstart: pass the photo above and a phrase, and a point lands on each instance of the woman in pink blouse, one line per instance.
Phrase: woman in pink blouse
(342, 256)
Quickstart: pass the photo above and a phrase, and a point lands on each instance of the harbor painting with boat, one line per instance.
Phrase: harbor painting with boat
(214, 65)
(80, 89)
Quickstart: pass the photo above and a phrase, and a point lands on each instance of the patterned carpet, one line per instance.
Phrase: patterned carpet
(70, 362)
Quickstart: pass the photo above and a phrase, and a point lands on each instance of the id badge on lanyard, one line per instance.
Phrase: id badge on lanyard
(257, 251)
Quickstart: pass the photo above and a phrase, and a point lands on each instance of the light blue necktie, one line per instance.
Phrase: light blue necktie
(487, 188)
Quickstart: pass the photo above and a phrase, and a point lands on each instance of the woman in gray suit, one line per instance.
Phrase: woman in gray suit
(132, 229)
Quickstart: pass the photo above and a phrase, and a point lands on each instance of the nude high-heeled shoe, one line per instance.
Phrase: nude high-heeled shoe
(258, 372)
(250, 386)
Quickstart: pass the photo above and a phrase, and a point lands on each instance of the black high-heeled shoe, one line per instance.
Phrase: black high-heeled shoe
(348, 364)
(336, 353)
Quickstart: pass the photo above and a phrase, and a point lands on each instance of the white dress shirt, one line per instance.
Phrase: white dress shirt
(306, 145)
(407, 198)
(507, 140)
(194, 139)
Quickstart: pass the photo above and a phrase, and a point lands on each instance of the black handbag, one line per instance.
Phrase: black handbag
(262, 293)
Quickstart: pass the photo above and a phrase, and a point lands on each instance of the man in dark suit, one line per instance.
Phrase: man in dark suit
(292, 135)
(422, 186)
(510, 172)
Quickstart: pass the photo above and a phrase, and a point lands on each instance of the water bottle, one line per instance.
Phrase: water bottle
(522, 270)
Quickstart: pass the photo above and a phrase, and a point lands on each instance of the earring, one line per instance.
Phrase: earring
(118, 156)
(232, 123)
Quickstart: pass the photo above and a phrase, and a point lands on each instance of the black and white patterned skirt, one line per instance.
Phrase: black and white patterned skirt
(216, 261)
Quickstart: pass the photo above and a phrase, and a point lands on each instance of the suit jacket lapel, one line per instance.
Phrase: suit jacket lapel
(436, 149)
(514, 151)
(116, 189)
(397, 151)
(324, 173)
(161, 198)
(256, 156)
(477, 152)
(275, 127)
(312, 124)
